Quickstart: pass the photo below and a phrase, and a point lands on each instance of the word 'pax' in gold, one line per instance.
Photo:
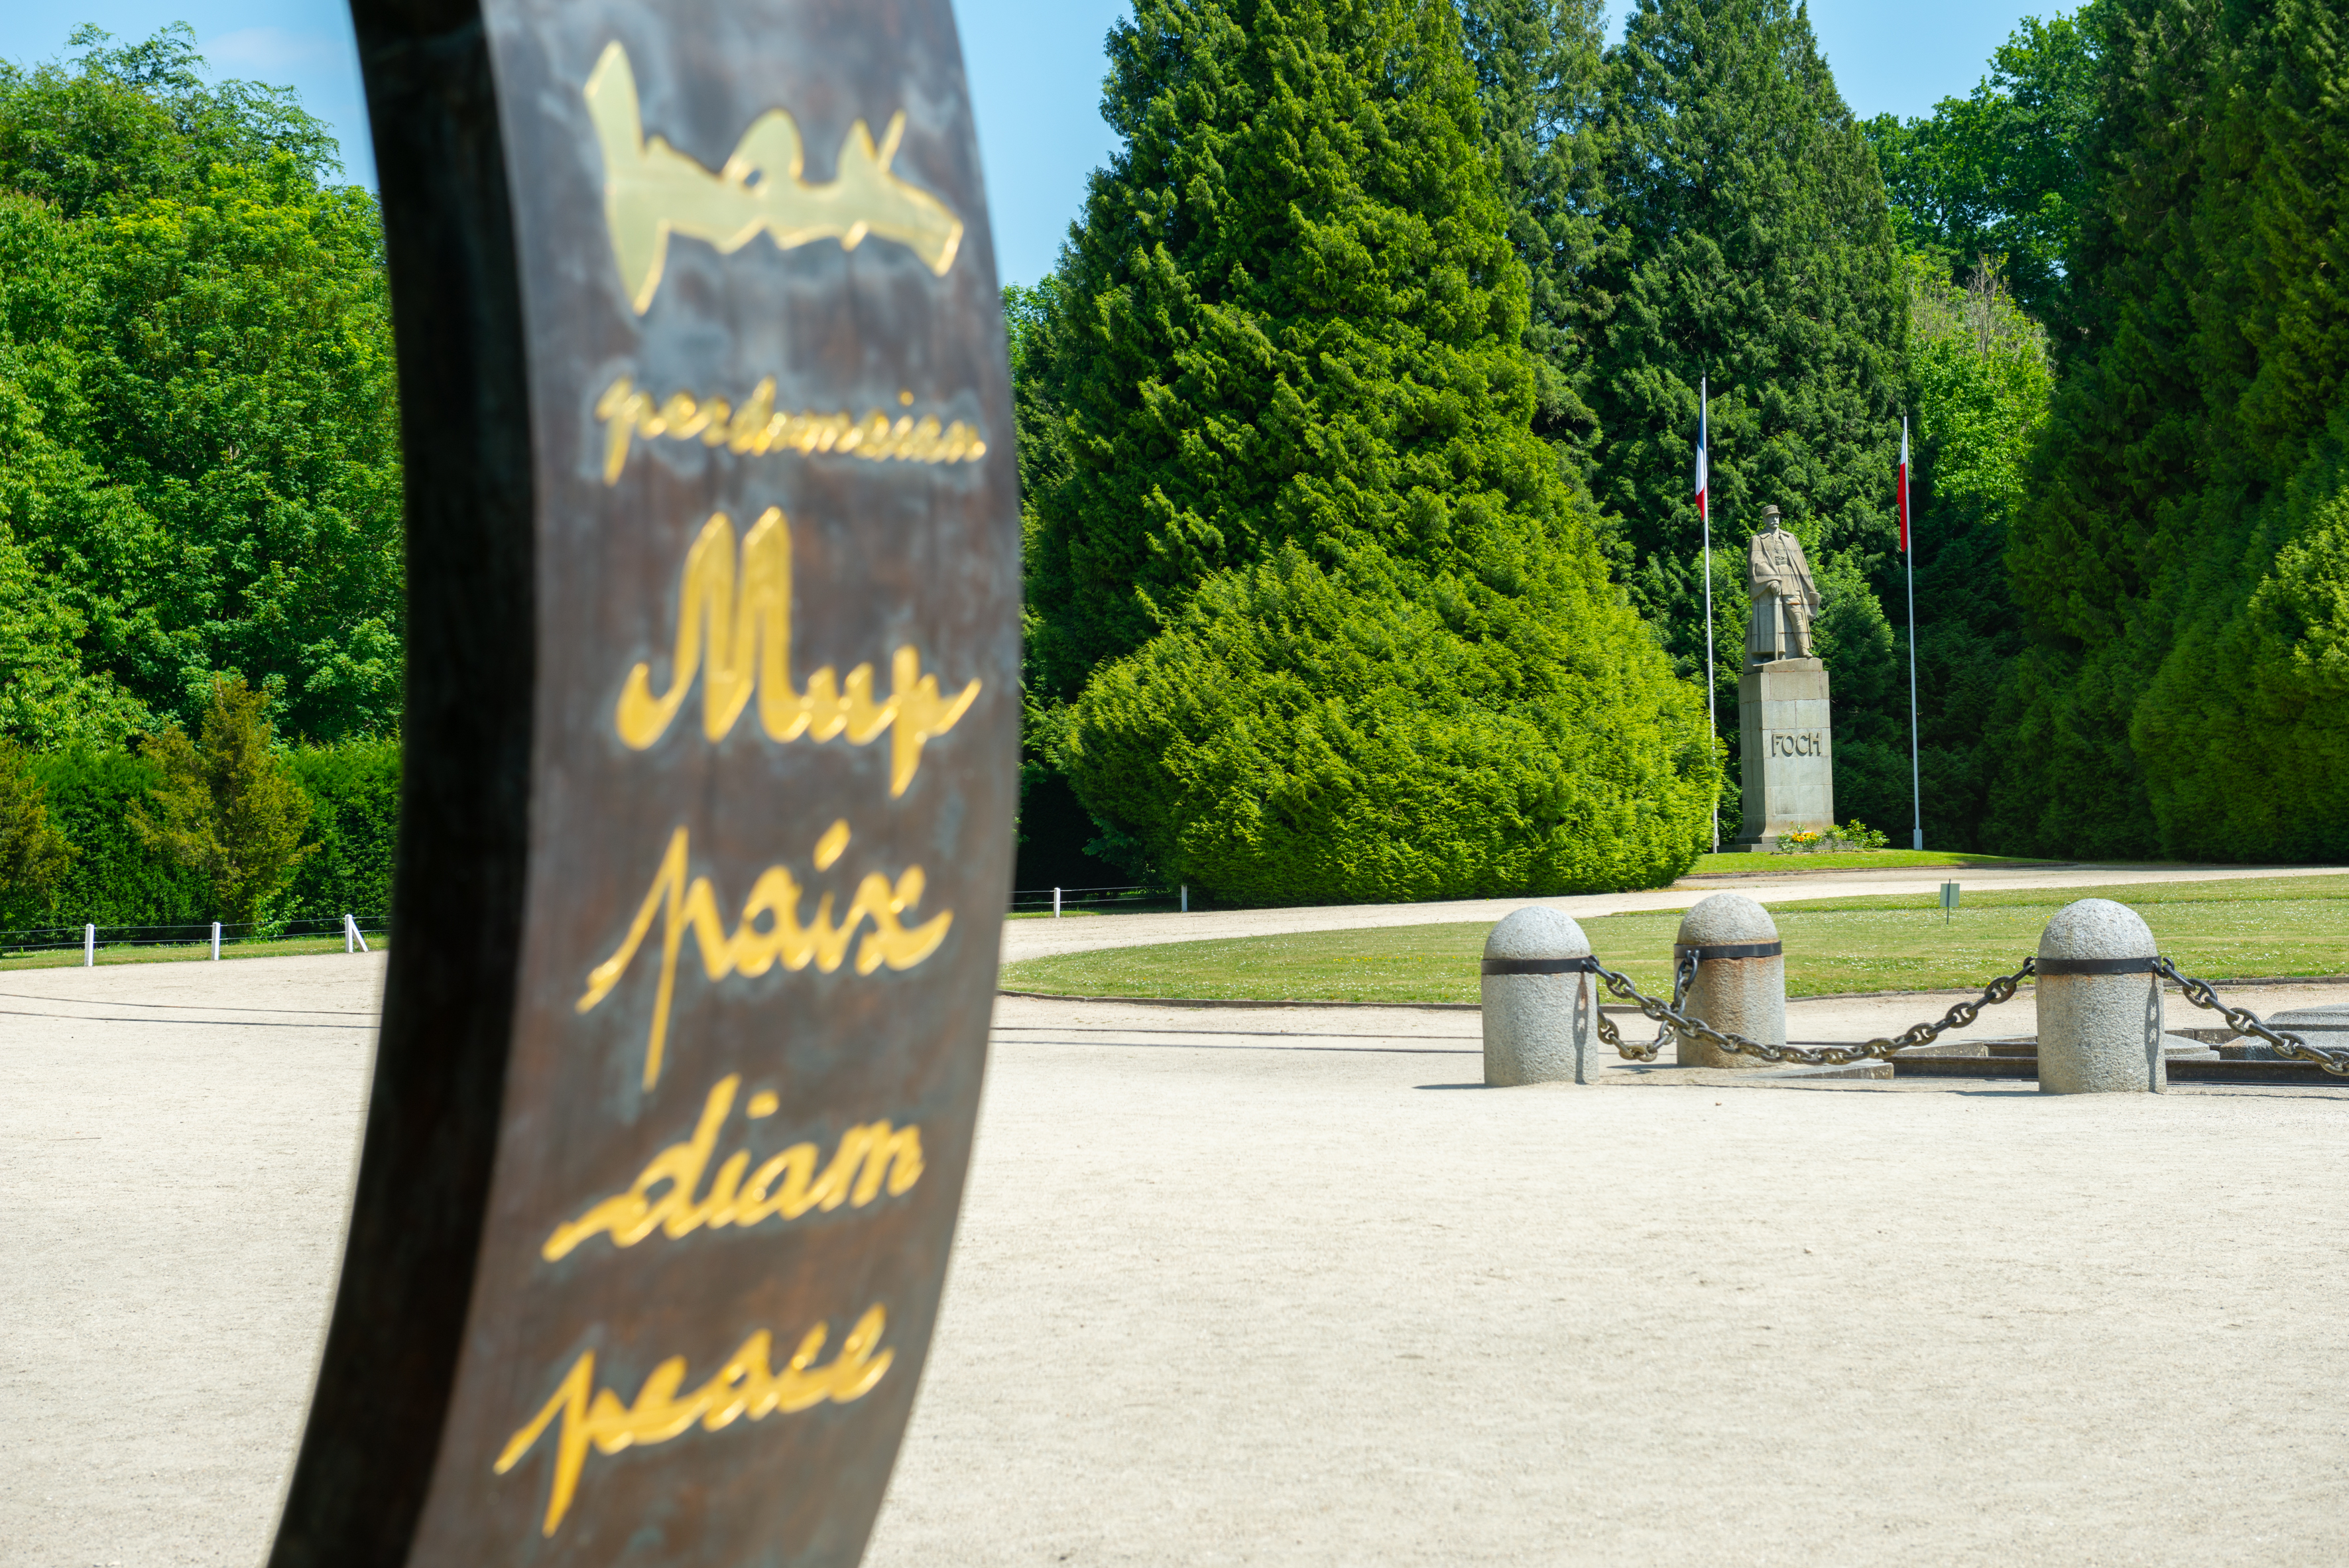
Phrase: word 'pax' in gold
(751, 951)
(747, 1386)
(652, 190)
(739, 641)
(756, 428)
(786, 1184)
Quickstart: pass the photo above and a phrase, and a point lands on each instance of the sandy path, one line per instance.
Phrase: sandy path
(1039, 938)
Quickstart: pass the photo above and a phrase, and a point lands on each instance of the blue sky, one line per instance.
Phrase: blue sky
(1035, 69)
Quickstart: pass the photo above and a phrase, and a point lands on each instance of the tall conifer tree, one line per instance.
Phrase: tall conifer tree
(1540, 68)
(2183, 560)
(1327, 618)
(1751, 246)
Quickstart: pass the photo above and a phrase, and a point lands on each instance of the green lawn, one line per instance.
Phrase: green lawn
(2260, 926)
(1872, 859)
(181, 952)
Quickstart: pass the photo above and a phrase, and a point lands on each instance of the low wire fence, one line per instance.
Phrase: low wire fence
(1133, 900)
(356, 932)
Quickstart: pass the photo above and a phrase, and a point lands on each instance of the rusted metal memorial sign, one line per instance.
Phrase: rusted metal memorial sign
(713, 574)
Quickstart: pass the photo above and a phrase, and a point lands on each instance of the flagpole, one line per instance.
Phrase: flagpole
(1704, 516)
(1908, 558)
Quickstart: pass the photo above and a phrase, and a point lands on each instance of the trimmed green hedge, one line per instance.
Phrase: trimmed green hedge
(354, 791)
(1307, 737)
(116, 880)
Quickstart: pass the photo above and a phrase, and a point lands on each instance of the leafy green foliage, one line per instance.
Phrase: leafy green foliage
(1984, 383)
(227, 807)
(33, 853)
(2181, 560)
(2001, 173)
(1285, 364)
(198, 432)
(137, 120)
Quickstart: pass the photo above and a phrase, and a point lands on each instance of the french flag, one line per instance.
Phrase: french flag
(1704, 516)
(1904, 482)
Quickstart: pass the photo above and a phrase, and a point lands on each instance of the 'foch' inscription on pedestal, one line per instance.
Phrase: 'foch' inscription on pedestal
(1786, 752)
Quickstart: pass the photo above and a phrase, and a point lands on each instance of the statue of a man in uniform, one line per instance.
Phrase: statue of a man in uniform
(1785, 597)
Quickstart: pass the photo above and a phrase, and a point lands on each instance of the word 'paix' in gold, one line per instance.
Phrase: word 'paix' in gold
(869, 1158)
(734, 630)
(682, 906)
(747, 1386)
(757, 428)
(651, 191)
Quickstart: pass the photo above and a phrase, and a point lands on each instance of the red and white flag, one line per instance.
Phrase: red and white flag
(1702, 515)
(1904, 483)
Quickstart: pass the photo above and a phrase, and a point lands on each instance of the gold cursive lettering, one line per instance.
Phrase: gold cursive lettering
(757, 428)
(651, 191)
(867, 1159)
(684, 906)
(739, 642)
(746, 1386)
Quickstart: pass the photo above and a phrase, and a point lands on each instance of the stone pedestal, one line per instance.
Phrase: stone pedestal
(1788, 764)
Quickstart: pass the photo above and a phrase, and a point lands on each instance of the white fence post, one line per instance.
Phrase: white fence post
(354, 939)
(1186, 898)
(89, 947)
(1056, 903)
(216, 940)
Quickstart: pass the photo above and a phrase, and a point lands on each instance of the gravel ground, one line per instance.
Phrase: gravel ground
(1284, 1286)
(1307, 1298)
(177, 1142)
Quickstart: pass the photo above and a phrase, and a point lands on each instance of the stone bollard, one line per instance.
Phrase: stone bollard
(2099, 1002)
(1740, 978)
(1541, 1004)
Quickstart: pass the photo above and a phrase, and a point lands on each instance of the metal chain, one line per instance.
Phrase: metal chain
(1684, 975)
(2245, 1022)
(2001, 989)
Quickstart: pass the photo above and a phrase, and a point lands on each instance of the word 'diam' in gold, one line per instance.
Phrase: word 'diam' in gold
(746, 1387)
(756, 428)
(651, 191)
(775, 896)
(869, 1158)
(738, 640)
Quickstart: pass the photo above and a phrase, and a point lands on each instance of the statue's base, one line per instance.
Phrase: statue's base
(1787, 758)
